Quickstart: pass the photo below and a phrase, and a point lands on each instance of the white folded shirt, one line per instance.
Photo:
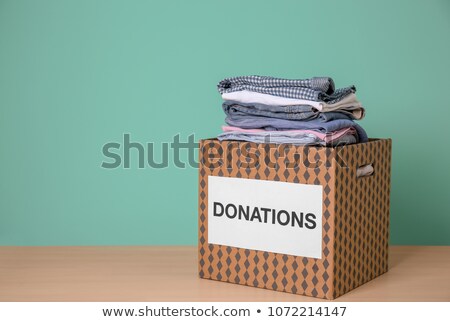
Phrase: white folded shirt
(350, 102)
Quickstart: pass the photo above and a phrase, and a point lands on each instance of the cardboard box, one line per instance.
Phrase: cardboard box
(293, 218)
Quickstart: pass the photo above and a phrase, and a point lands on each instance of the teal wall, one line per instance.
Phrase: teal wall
(75, 75)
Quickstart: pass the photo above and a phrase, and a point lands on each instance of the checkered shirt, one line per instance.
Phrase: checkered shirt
(313, 89)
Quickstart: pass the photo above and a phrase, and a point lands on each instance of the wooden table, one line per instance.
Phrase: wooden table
(168, 273)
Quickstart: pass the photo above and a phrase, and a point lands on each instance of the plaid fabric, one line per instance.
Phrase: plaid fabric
(314, 89)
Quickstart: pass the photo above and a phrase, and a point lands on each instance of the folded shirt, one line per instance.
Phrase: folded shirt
(326, 137)
(314, 89)
(273, 124)
(349, 104)
(288, 112)
(285, 137)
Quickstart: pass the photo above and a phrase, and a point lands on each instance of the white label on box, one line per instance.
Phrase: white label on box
(273, 216)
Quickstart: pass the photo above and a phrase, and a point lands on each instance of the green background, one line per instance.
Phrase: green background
(75, 75)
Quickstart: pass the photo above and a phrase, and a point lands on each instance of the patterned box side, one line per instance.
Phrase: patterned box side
(362, 215)
(280, 272)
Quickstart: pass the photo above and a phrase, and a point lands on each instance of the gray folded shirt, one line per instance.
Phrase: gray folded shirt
(289, 112)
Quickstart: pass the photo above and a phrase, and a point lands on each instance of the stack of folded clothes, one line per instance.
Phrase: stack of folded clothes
(311, 111)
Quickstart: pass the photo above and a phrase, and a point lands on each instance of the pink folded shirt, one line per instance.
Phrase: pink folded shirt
(326, 137)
